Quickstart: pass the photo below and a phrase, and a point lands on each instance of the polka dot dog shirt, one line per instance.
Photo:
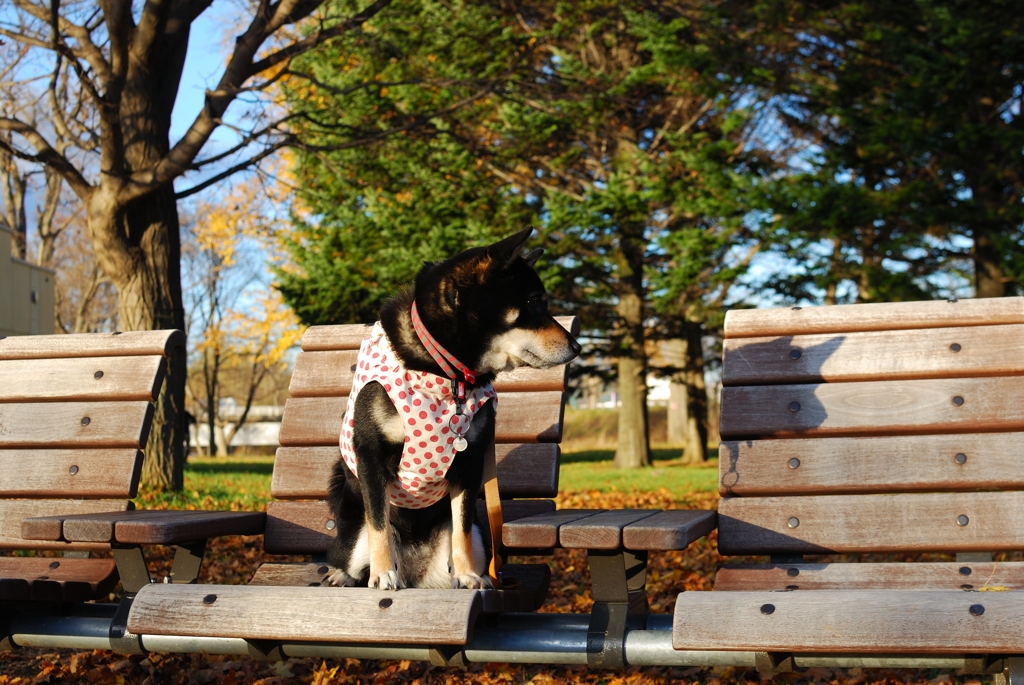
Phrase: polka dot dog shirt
(427, 407)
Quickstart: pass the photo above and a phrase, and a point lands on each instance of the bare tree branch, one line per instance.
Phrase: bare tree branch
(45, 154)
(239, 69)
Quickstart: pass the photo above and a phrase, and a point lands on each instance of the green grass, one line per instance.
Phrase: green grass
(589, 470)
(235, 483)
(243, 483)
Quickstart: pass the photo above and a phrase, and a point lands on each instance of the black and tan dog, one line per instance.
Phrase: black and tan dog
(421, 415)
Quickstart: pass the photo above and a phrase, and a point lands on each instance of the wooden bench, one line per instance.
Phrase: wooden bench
(286, 603)
(870, 429)
(75, 412)
(75, 415)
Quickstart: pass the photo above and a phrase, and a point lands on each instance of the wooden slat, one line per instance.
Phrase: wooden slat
(748, 323)
(880, 408)
(343, 337)
(600, 531)
(924, 522)
(91, 345)
(57, 580)
(60, 425)
(329, 374)
(529, 596)
(973, 351)
(522, 417)
(301, 527)
(74, 380)
(351, 336)
(915, 463)
(153, 527)
(70, 473)
(879, 621)
(977, 576)
(669, 530)
(13, 511)
(523, 471)
(540, 531)
(306, 613)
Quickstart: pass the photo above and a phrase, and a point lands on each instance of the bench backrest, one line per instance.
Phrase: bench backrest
(75, 412)
(873, 428)
(527, 432)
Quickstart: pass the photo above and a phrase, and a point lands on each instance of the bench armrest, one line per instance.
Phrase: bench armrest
(632, 529)
(145, 527)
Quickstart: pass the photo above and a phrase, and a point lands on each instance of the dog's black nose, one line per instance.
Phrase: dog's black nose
(575, 347)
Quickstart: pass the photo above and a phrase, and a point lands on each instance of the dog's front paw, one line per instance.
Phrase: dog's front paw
(472, 581)
(339, 578)
(385, 581)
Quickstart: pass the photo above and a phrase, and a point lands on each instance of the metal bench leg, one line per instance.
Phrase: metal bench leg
(618, 580)
(1014, 673)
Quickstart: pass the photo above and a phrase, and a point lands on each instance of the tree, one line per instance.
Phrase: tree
(610, 126)
(915, 109)
(126, 62)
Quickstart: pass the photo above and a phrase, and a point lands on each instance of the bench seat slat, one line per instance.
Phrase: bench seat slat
(973, 351)
(917, 522)
(74, 380)
(523, 471)
(302, 527)
(529, 596)
(64, 424)
(522, 417)
(151, 527)
(914, 463)
(600, 531)
(979, 576)
(879, 408)
(142, 343)
(747, 323)
(60, 580)
(13, 511)
(867, 621)
(321, 614)
(70, 473)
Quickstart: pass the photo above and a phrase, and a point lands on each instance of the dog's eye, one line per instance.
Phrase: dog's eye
(535, 302)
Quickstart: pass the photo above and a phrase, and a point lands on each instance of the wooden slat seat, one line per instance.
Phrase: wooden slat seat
(56, 580)
(638, 529)
(852, 621)
(155, 527)
(528, 596)
(75, 413)
(320, 614)
(883, 428)
(966, 576)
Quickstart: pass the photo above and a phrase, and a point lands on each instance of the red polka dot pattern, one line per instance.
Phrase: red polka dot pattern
(420, 481)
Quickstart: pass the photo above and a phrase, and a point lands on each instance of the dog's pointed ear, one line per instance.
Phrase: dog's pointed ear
(505, 251)
(533, 256)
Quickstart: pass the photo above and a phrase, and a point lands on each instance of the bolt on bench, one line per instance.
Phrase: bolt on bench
(75, 415)
(860, 429)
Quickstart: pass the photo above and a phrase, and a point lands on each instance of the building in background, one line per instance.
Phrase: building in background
(27, 304)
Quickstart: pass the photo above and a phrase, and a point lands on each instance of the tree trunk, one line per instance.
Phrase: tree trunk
(678, 403)
(695, 451)
(633, 449)
(989, 276)
(147, 274)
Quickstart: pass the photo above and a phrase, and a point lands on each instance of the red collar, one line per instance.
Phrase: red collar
(445, 359)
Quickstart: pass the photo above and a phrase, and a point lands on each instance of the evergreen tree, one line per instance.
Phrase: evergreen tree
(621, 127)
